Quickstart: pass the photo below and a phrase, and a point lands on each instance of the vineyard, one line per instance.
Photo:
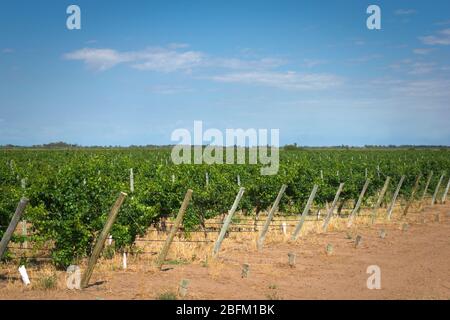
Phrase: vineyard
(71, 191)
(69, 195)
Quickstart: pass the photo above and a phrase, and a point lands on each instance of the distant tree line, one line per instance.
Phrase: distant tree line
(294, 146)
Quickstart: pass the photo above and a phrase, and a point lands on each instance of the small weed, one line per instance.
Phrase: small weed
(167, 296)
(205, 263)
(108, 252)
(273, 296)
(47, 282)
(177, 262)
(329, 249)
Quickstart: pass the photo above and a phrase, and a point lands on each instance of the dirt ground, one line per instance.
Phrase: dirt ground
(414, 264)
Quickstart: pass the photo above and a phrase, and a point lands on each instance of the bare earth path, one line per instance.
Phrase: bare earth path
(415, 264)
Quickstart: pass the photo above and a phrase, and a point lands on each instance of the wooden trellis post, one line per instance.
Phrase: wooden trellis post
(426, 189)
(131, 180)
(274, 208)
(444, 196)
(391, 207)
(23, 184)
(413, 193)
(227, 221)
(380, 198)
(174, 230)
(12, 226)
(358, 203)
(305, 212)
(433, 200)
(101, 240)
(333, 205)
(25, 233)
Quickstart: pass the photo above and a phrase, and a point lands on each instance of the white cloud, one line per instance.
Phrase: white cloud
(257, 71)
(176, 45)
(285, 80)
(443, 23)
(364, 59)
(422, 68)
(401, 88)
(412, 67)
(169, 90)
(395, 66)
(235, 63)
(441, 38)
(310, 63)
(155, 59)
(436, 88)
(165, 59)
(422, 51)
(98, 59)
(405, 12)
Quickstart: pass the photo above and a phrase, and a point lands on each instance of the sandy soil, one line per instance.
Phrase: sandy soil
(414, 265)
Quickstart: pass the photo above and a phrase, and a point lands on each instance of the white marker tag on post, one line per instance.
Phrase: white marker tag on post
(24, 275)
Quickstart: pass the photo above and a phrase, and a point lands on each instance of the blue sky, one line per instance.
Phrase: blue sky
(137, 70)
